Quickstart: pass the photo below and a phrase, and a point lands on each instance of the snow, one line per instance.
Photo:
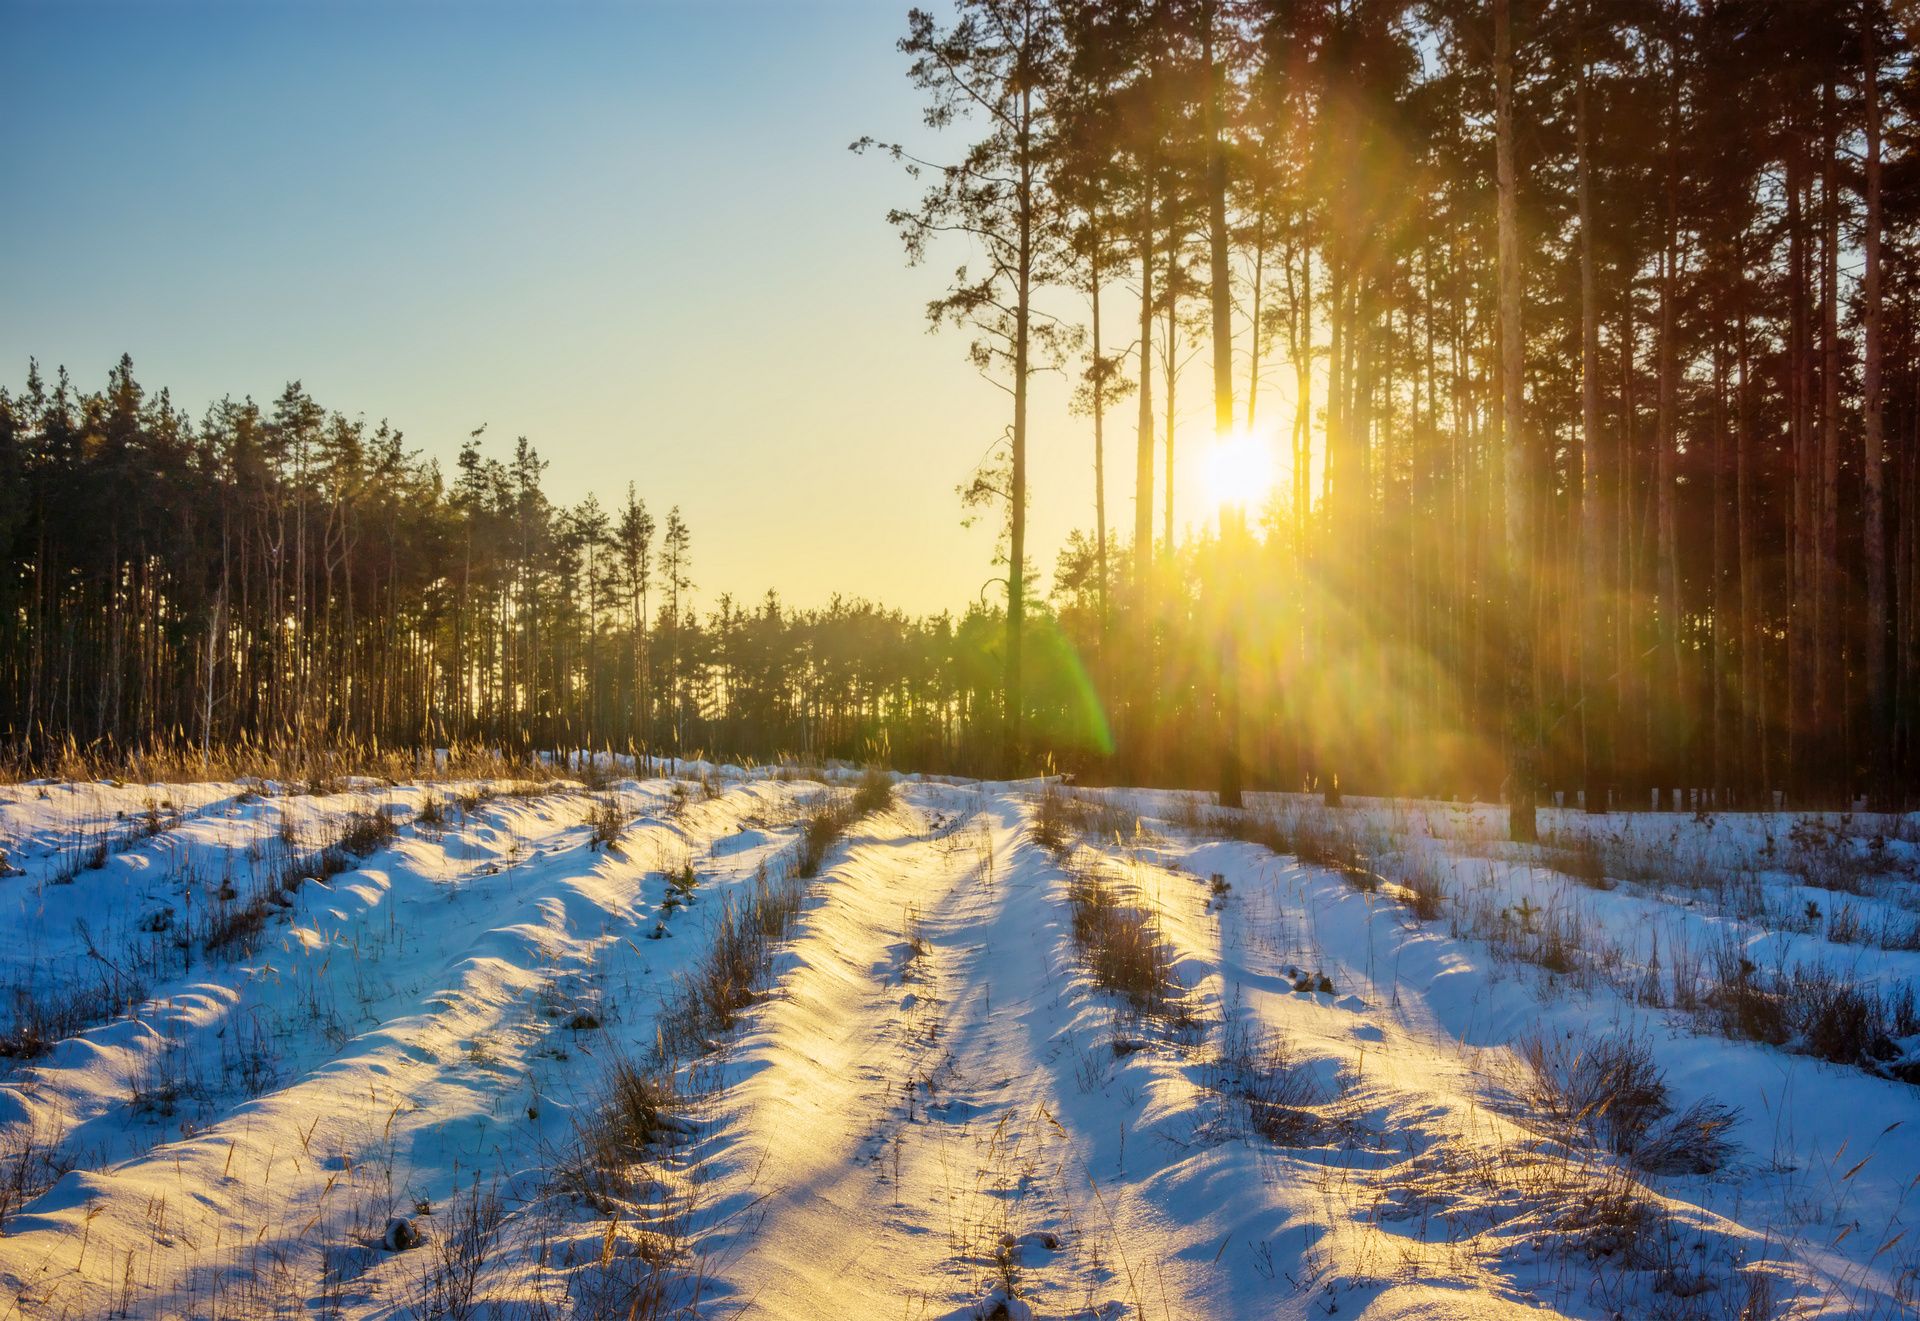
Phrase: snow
(931, 1109)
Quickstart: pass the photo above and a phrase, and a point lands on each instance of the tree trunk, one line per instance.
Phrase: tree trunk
(1873, 534)
(1754, 758)
(1017, 493)
(1518, 469)
(1099, 446)
(1592, 655)
(1800, 517)
(1143, 445)
(1669, 758)
(1170, 370)
(1830, 650)
(1222, 293)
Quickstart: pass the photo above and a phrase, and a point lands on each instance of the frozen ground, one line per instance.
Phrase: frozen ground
(1021, 1052)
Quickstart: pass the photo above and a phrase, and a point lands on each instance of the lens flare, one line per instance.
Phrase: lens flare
(1240, 471)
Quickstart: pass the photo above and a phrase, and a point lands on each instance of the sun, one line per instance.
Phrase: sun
(1239, 471)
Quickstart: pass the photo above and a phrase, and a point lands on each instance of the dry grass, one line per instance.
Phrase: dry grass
(45, 1014)
(456, 1257)
(706, 1001)
(1123, 948)
(366, 833)
(319, 766)
(30, 1162)
(230, 927)
(1314, 834)
(608, 822)
(832, 818)
(1275, 1095)
(1542, 1200)
(873, 794)
(637, 1108)
(1061, 817)
(1609, 1091)
(1580, 858)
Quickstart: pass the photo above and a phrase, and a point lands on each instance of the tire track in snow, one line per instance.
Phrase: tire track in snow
(998, 1164)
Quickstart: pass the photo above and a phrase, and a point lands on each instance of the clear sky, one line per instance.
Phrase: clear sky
(631, 232)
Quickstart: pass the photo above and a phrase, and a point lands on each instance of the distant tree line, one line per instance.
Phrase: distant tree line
(1592, 329)
(291, 577)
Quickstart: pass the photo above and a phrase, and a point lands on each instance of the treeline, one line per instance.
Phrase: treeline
(1590, 328)
(291, 577)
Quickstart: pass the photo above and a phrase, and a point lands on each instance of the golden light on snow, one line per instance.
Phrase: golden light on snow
(1240, 470)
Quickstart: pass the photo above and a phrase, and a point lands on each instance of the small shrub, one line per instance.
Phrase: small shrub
(608, 822)
(1825, 858)
(1219, 888)
(823, 828)
(832, 818)
(1899, 933)
(1844, 926)
(1746, 1007)
(1052, 824)
(366, 833)
(1610, 1086)
(637, 1103)
(44, 1015)
(680, 887)
(1691, 1142)
(230, 930)
(635, 1110)
(1835, 1019)
(874, 793)
(1426, 890)
(29, 1164)
(1612, 1089)
(1122, 946)
(459, 1254)
(159, 1086)
(916, 935)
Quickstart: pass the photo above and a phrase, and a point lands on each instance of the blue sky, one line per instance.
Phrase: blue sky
(631, 232)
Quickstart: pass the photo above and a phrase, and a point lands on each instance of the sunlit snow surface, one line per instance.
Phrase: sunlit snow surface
(931, 1111)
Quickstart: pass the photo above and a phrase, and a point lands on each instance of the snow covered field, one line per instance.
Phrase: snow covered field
(485, 1049)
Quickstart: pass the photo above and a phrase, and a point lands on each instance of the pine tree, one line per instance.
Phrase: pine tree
(994, 66)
